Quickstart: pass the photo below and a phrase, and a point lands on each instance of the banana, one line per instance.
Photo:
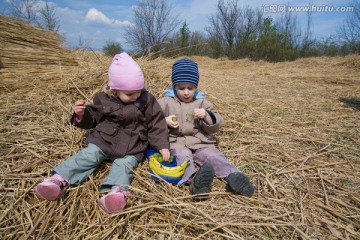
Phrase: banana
(160, 169)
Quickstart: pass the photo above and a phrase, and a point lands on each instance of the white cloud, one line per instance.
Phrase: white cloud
(94, 15)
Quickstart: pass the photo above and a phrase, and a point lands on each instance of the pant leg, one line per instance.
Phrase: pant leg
(81, 165)
(183, 154)
(121, 173)
(217, 159)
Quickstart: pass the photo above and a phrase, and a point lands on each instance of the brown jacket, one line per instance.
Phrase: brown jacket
(125, 129)
(192, 133)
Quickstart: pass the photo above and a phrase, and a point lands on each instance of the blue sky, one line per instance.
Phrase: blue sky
(97, 22)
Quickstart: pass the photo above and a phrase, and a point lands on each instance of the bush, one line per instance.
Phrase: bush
(112, 48)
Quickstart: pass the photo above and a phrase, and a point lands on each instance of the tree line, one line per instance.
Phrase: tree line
(238, 32)
(233, 31)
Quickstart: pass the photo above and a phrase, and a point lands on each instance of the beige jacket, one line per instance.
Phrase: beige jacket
(192, 133)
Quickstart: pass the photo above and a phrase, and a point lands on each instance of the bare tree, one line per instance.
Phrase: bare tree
(224, 26)
(33, 12)
(307, 40)
(198, 44)
(47, 18)
(288, 26)
(82, 43)
(350, 30)
(251, 22)
(153, 24)
(24, 10)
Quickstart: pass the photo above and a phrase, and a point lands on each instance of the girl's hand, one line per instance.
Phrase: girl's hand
(172, 121)
(79, 108)
(165, 154)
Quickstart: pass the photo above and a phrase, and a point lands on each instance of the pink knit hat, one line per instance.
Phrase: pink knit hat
(125, 73)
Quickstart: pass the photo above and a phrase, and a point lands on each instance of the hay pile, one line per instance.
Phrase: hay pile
(28, 50)
(286, 127)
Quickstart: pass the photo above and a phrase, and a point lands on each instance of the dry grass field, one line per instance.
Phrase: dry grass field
(293, 127)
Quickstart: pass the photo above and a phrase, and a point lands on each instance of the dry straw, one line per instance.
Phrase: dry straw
(288, 126)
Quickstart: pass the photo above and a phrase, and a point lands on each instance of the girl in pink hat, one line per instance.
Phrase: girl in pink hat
(124, 120)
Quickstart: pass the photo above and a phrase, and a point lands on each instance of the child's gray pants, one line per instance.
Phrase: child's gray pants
(81, 165)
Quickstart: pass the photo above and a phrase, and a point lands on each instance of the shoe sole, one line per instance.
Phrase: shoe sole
(47, 192)
(240, 184)
(112, 202)
(203, 179)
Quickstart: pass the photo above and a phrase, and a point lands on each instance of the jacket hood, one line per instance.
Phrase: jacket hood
(171, 93)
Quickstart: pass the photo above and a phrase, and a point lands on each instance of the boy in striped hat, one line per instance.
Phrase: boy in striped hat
(192, 120)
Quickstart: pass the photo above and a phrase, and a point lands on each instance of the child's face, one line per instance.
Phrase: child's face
(185, 91)
(128, 96)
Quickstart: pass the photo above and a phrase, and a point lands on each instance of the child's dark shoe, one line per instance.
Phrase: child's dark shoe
(201, 183)
(50, 188)
(114, 201)
(239, 183)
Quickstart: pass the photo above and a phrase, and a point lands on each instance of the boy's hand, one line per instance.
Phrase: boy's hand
(79, 108)
(165, 154)
(172, 121)
(199, 113)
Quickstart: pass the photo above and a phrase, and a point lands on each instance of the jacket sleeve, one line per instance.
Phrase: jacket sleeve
(215, 115)
(163, 106)
(92, 115)
(157, 129)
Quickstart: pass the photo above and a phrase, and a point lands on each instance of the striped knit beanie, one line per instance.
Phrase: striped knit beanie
(185, 71)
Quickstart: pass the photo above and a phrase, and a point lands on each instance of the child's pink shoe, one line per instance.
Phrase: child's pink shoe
(114, 201)
(50, 188)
